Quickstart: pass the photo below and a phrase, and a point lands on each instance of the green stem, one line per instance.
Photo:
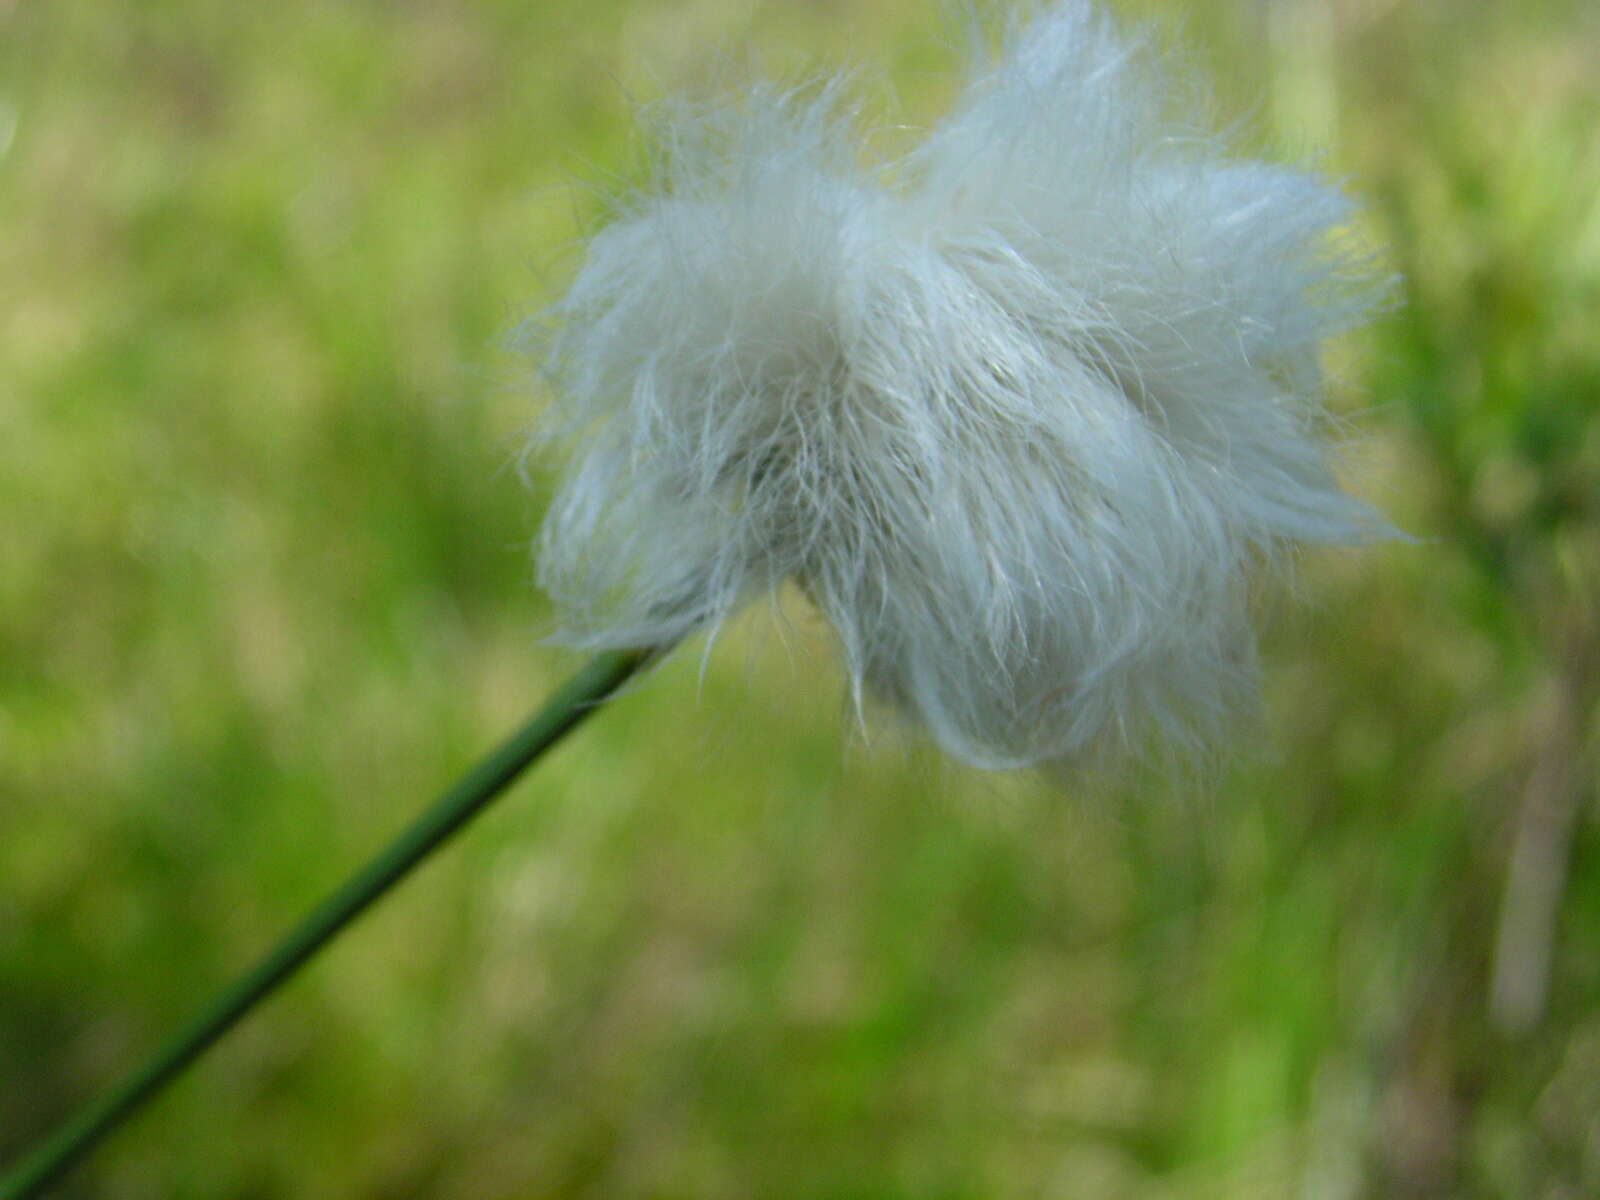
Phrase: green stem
(582, 694)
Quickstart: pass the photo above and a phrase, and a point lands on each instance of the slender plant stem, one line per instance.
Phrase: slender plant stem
(566, 709)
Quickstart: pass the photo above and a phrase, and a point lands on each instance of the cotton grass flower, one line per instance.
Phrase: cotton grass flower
(1024, 420)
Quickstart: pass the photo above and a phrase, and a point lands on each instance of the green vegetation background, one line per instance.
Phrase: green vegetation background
(264, 588)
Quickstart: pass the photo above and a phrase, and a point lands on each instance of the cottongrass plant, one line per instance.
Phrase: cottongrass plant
(1023, 414)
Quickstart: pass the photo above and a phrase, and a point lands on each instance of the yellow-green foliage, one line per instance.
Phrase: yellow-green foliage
(264, 589)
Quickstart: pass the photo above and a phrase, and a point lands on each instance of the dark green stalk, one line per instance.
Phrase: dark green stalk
(582, 694)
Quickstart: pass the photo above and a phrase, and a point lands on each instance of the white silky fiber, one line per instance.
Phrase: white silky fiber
(1025, 413)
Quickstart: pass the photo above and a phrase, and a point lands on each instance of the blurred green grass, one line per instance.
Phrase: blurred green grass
(265, 588)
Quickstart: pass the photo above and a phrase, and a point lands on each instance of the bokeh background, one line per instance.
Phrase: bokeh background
(265, 587)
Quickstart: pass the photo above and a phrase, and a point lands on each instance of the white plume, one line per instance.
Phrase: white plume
(1023, 424)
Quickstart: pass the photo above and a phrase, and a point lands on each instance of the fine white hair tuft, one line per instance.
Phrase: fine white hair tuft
(1023, 424)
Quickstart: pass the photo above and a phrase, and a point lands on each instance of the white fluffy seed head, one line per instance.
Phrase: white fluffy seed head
(1023, 425)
